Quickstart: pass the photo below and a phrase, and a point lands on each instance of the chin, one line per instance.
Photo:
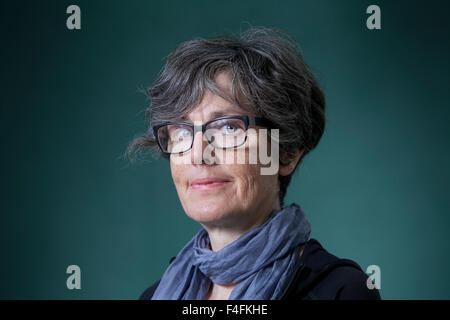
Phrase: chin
(208, 211)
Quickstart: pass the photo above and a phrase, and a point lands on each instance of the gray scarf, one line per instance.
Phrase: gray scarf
(261, 261)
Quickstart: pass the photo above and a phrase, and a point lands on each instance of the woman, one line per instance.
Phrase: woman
(224, 99)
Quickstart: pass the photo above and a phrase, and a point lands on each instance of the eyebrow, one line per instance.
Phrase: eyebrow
(215, 114)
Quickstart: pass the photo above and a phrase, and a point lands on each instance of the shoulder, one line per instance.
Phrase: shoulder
(148, 293)
(326, 276)
(350, 283)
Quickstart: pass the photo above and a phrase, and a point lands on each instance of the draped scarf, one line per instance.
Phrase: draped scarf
(260, 262)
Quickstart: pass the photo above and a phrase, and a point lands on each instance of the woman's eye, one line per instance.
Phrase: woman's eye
(180, 135)
(229, 128)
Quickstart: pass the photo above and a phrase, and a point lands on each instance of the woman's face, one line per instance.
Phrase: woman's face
(237, 195)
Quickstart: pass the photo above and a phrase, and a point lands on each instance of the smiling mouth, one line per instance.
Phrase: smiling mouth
(208, 184)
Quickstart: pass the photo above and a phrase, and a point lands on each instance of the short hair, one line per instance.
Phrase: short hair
(269, 78)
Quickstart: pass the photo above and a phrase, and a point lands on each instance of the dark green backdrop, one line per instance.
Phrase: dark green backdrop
(376, 190)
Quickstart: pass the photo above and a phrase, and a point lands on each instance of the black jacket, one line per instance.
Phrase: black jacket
(319, 276)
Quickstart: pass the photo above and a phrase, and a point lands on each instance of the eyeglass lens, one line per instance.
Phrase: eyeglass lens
(221, 133)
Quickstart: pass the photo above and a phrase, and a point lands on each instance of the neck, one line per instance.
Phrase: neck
(221, 235)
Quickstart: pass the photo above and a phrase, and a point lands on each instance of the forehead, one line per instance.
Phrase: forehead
(213, 106)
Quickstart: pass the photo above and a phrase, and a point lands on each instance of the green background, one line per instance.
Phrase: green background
(376, 190)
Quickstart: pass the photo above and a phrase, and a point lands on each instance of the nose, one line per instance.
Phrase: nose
(198, 154)
(198, 145)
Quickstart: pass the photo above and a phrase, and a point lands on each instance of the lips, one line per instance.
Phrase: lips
(208, 183)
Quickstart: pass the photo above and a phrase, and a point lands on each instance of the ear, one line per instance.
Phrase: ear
(289, 165)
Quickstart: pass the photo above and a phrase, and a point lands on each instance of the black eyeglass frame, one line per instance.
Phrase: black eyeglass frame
(248, 121)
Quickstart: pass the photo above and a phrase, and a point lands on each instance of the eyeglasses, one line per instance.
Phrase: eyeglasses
(224, 132)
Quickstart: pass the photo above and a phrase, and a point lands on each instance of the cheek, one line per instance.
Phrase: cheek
(269, 183)
(259, 188)
(249, 181)
(177, 171)
(251, 184)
